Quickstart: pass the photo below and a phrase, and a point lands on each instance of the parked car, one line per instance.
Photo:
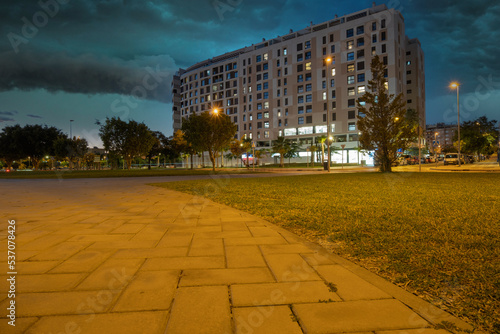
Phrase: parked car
(452, 159)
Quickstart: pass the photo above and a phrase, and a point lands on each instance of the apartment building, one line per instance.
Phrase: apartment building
(440, 135)
(284, 87)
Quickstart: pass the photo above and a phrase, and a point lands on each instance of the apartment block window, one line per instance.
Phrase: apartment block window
(300, 110)
(309, 109)
(385, 60)
(350, 45)
(299, 47)
(265, 67)
(360, 30)
(408, 91)
(350, 68)
(279, 122)
(332, 49)
(350, 56)
(331, 38)
(349, 33)
(266, 95)
(324, 117)
(284, 82)
(300, 89)
(323, 84)
(360, 41)
(266, 76)
(324, 51)
(407, 72)
(266, 56)
(259, 125)
(308, 55)
(300, 57)
(259, 87)
(266, 125)
(286, 71)
(361, 53)
(266, 133)
(374, 50)
(300, 78)
(285, 91)
(408, 62)
(382, 24)
(334, 94)
(259, 106)
(285, 52)
(384, 48)
(308, 87)
(300, 99)
(300, 68)
(351, 127)
(258, 59)
(361, 65)
(333, 72)
(351, 103)
(351, 91)
(309, 119)
(351, 114)
(361, 77)
(308, 76)
(374, 26)
(308, 66)
(350, 79)
(259, 68)
(334, 118)
(300, 120)
(408, 101)
(266, 85)
(383, 36)
(324, 39)
(361, 89)
(309, 98)
(308, 45)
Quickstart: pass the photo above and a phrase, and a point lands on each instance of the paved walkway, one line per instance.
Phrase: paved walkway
(118, 256)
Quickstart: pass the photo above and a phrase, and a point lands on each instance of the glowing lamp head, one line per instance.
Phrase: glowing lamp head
(328, 60)
(454, 85)
(216, 111)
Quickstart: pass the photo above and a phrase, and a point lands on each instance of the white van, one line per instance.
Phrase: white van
(452, 159)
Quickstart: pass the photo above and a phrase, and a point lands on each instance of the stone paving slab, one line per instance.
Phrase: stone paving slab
(118, 256)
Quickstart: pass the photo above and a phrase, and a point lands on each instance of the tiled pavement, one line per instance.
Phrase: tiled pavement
(118, 256)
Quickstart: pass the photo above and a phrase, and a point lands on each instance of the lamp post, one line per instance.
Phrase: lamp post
(70, 129)
(457, 86)
(328, 61)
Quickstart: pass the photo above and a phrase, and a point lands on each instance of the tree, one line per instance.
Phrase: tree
(293, 151)
(385, 127)
(322, 140)
(313, 149)
(478, 137)
(9, 144)
(281, 146)
(237, 149)
(129, 139)
(259, 154)
(157, 148)
(71, 149)
(209, 132)
(34, 141)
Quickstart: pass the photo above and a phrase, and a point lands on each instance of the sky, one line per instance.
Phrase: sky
(70, 63)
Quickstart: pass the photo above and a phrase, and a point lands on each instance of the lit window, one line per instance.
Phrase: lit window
(265, 56)
(350, 45)
(308, 66)
(266, 114)
(291, 132)
(309, 98)
(350, 79)
(386, 85)
(307, 45)
(305, 130)
(351, 91)
(350, 68)
(351, 127)
(266, 125)
(266, 133)
(361, 89)
(320, 129)
(301, 120)
(350, 56)
(284, 52)
(333, 72)
(308, 87)
(324, 95)
(266, 105)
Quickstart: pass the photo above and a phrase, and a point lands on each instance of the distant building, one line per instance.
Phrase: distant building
(279, 86)
(440, 135)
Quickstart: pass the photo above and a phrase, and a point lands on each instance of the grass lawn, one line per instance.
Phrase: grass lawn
(78, 174)
(436, 235)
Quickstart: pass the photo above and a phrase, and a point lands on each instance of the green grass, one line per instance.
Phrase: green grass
(78, 174)
(437, 235)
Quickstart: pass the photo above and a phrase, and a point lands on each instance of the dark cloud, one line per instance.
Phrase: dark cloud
(9, 113)
(34, 116)
(6, 119)
(145, 77)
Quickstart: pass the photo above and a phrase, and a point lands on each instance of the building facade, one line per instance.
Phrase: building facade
(284, 87)
(440, 135)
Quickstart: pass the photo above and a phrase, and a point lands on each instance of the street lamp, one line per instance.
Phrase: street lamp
(434, 147)
(328, 61)
(456, 85)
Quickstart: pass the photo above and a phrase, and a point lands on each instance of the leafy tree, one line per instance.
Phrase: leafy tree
(157, 148)
(169, 148)
(129, 139)
(9, 144)
(88, 160)
(385, 127)
(34, 141)
(478, 137)
(247, 146)
(237, 149)
(209, 132)
(259, 154)
(281, 146)
(321, 140)
(293, 151)
(71, 149)
(313, 149)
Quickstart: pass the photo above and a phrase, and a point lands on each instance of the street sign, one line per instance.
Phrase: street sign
(253, 144)
(343, 146)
